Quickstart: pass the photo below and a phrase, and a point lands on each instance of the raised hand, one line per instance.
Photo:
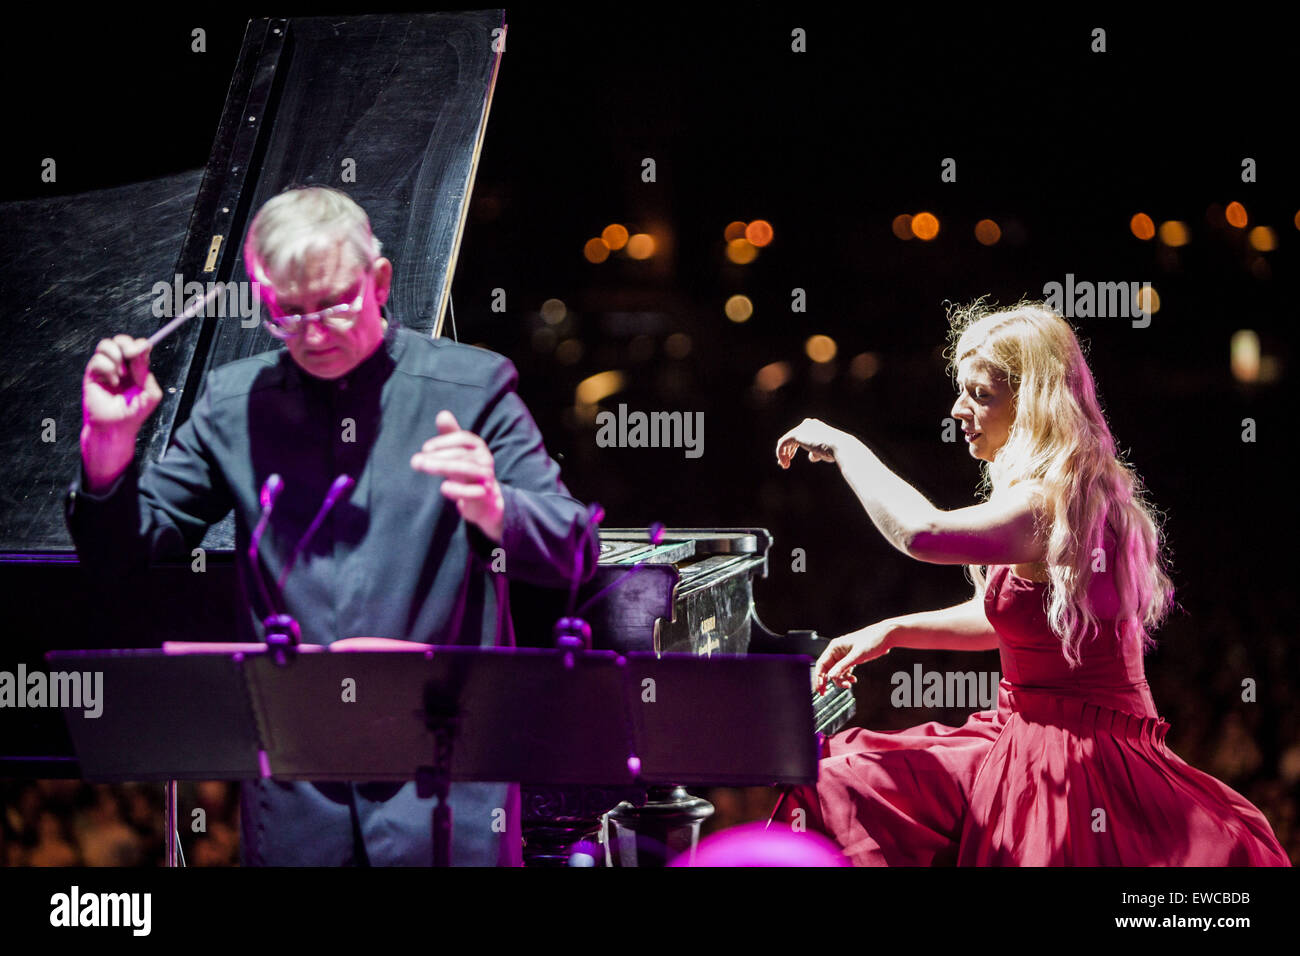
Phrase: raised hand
(465, 462)
(821, 440)
(118, 392)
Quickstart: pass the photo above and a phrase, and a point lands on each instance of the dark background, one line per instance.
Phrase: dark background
(1059, 145)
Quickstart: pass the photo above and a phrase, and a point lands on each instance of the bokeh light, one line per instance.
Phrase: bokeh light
(864, 366)
(1174, 233)
(1148, 300)
(1244, 352)
(1142, 226)
(1263, 239)
(987, 232)
(615, 236)
(554, 311)
(596, 388)
(772, 376)
(759, 232)
(741, 251)
(569, 351)
(925, 226)
(677, 345)
(641, 245)
(820, 348)
(739, 308)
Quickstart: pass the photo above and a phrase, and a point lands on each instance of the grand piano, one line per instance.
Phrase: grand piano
(308, 95)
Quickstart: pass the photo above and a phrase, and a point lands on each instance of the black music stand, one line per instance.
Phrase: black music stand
(165, 717)
(726, 721)
(434, 714)
(743, 720)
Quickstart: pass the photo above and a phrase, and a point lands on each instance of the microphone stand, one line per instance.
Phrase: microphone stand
(283, 635)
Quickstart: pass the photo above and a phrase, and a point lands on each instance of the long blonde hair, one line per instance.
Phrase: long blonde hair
(1060, 438)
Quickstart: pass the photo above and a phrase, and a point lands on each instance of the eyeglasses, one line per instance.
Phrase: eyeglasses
(341, 317)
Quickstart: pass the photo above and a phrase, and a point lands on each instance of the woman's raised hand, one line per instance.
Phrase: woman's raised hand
(821, 440)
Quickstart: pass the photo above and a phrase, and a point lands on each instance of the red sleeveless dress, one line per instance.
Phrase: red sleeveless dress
(1071, 769)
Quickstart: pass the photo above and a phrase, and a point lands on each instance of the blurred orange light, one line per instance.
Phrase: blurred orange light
(772, 376)
(554, 311)
(864, 366)
(1142, 226)
(820, 348)
(595, 388)
(1148, 300)
(1244, 355)
(596, 250)
(1263, 239)
(759, 232)
(641, 246)
(739, 308)
(1174, 233)
(925, 226)
(678, 345)
(902, 226)
(987, 232)
(741, 251)
(734, 230)
(1236, 215)
(615, 236)
(568, 351)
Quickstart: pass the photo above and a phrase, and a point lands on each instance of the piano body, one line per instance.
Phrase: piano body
(670, 591)
(693, 593)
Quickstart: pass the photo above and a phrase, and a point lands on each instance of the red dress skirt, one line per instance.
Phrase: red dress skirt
(1071, 769)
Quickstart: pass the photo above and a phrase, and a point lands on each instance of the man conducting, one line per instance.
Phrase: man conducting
(448, 467)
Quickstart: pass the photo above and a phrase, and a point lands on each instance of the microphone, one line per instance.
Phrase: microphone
(656, 535)
(282, 631)
(572, 634)
(341, 484)
(595, 515)
(270, 492)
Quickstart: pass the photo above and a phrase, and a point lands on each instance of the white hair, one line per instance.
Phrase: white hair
(302, 221)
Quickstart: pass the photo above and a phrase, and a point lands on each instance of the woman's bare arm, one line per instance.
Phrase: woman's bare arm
(1002, 530)
(999, 531)
(962, 627)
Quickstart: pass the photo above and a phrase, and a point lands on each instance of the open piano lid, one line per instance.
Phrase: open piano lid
(390, 108)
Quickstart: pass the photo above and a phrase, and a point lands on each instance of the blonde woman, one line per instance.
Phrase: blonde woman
(1072, 766)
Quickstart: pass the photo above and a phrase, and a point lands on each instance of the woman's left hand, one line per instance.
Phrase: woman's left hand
(822, 441)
